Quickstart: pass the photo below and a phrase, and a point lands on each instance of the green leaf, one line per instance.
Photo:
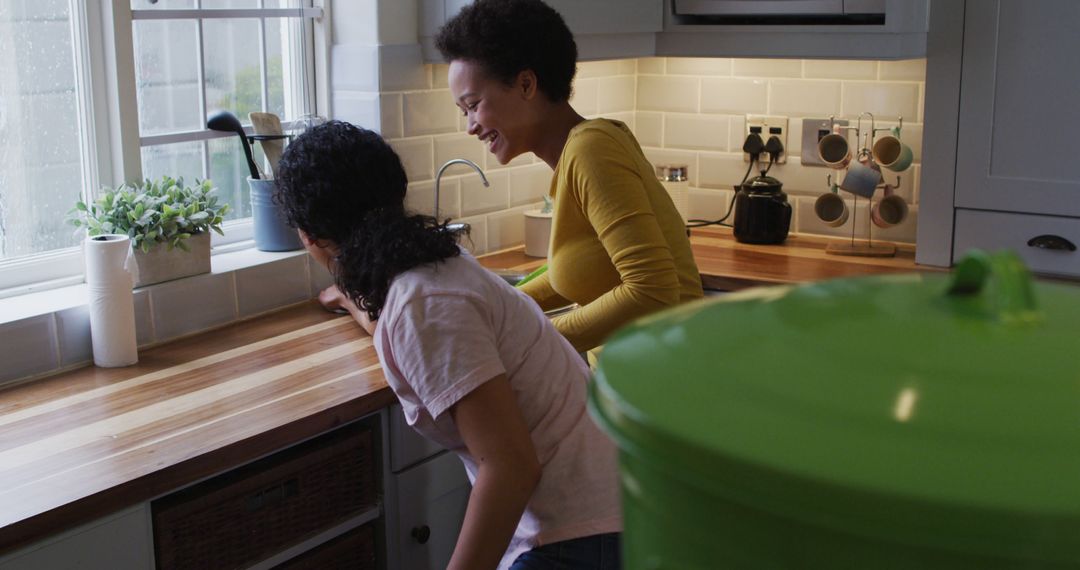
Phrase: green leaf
(80, 205)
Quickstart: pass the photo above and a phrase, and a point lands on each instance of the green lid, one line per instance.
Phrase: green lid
(932, 409)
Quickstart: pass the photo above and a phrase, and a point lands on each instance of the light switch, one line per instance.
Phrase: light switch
(812, 131)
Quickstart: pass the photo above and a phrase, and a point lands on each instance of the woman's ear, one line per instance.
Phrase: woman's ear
(526, 84)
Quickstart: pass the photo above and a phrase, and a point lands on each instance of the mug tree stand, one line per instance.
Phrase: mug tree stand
(867, 249)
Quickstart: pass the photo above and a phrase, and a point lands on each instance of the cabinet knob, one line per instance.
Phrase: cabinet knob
(1048, 241)
(421, 533)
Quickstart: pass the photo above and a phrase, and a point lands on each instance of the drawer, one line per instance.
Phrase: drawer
(998, 230)
(354, 550)
(253, 512)
(431, 501)
(406, 446)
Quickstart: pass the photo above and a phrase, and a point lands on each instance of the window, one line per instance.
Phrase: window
(190, 58)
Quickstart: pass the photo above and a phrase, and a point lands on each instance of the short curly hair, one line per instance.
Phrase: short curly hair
(507, 37)
(345, 184)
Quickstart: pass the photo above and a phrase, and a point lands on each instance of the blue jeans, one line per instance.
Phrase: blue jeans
(596, 552)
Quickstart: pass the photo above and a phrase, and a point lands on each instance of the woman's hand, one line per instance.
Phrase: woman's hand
(334, 300)
(508, 471)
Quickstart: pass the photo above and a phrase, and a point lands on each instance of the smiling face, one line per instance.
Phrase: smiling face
(498, 114)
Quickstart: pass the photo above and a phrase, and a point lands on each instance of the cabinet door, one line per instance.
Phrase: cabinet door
(431, 501)
(117, 541)
(1019, 116)
(406, 446)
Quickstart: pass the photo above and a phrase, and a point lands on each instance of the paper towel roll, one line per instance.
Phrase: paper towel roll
(112, 306)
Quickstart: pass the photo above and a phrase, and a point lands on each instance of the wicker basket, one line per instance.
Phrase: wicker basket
(354, 550)
(253, 512)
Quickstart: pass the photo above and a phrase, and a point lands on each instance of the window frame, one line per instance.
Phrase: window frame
(111, 145)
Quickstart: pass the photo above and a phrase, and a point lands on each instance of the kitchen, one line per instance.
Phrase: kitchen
(689, 110)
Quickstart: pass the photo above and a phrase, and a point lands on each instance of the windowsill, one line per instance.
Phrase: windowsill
(54, 300)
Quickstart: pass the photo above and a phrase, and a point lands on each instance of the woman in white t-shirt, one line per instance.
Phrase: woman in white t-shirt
(475, 363)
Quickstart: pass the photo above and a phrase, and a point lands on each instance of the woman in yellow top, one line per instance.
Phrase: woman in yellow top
(618, 245)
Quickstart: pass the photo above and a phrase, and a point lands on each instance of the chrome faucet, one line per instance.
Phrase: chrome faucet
(438, 177)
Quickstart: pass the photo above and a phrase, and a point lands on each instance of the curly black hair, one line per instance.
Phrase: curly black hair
(507, 37)
(345, 184)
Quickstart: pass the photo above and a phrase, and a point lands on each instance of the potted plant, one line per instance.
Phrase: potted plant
(169, 225)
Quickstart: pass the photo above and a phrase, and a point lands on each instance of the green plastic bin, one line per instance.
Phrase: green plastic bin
(915, 421)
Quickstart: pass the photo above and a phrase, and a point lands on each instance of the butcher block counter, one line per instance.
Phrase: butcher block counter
(727, 265)
(83, 444)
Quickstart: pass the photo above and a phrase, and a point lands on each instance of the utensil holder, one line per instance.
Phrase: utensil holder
(272, 232)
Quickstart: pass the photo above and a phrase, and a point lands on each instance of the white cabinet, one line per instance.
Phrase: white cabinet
(428, 492)
(603, 29)
(119, 541)
(1012, 140)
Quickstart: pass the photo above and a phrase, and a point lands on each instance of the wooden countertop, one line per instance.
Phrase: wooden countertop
(93, 441)
(86, 443)
(728, 265)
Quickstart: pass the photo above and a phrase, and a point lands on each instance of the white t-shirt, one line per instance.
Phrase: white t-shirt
(449, 327)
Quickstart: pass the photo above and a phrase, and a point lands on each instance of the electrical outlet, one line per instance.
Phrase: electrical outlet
(767, 126)
(812, 131)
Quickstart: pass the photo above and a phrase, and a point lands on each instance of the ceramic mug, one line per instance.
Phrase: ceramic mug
(890, 210)
(891, 153)
(862, 177)
(831, 208)
(834, 150)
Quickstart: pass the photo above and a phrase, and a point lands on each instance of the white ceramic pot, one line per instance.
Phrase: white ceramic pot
(162, 264)
(537, 233)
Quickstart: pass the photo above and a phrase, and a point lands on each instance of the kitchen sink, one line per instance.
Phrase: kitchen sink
(512, 277)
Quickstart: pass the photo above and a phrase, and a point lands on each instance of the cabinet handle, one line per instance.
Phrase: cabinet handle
(1048, 241)
(421, 533)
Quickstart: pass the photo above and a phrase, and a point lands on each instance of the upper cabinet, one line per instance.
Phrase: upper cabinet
(603, 29)
(825, 29)
(832, 29)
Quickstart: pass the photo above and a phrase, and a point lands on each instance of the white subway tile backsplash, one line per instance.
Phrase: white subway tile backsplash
(465, 146)
(628, 66)
(904, 70)
(429, 112)
(668, 93)
(916, 178)
(606, 68)
(651, 66)
(884, 100)
(73, 331)
(507, 228)
(417, 156)
(804, 98)
(584, 98)
(28, 347)
(397, 22)
(479, 199)
(708, 204)
(768, 68)
(529, 184)
(420, 198)
(698, 66)
(734, 96)
(738, 132)
(440, 76)
(391, 125)
(649, 128)
(193, 304)
(615, 94)
(261, 288)
(840, 69)
(696, 132)
(721, 171)
(476, 241)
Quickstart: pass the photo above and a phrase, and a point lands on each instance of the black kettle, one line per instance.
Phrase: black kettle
(762, 212)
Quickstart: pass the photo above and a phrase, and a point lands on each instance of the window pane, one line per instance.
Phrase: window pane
(233, 77)
(162, 4)
(173, 160)
(167, 76)
(229, 171)
(41, 177)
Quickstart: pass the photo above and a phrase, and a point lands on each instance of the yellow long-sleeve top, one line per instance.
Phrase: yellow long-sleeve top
(618, 245)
